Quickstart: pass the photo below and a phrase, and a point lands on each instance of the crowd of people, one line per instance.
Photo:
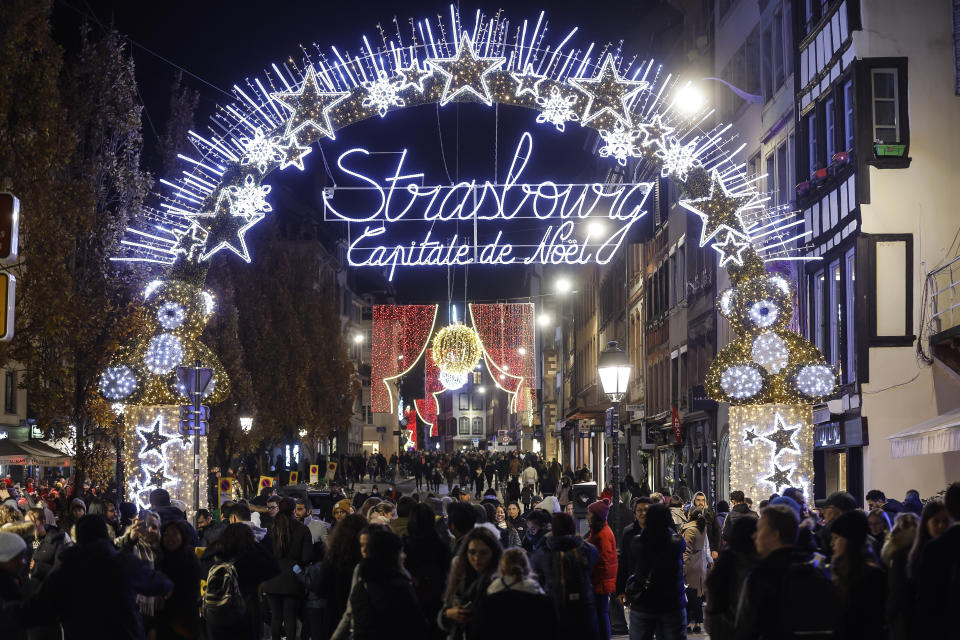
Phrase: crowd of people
(477, 562)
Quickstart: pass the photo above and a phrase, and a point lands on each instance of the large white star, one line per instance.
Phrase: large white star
(310, 106)
(465, 72)
(527, 82)
(608, 92)
(720, 211)
(731, 249)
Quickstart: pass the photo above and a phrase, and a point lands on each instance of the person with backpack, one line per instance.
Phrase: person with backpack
(515, 595)
(785, 585)
(383, 601)
(654, 589)
(293, 548)
(236, 567)
(563, 566)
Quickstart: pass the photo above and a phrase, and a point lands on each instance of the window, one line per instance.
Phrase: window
(777, 42)
(477, 402)
(835, 311)
(771, 173)
(812, 148)
(674, 380)
(817, 322)
(887, 288)
(885, 88)
(10, 397)
(464, 426)
(829, 122)
(464, 402)
(783, 181)
(849, 311)
(478, 426)
(673, 272)
(682, 272)
(848, 120)
(477, 377)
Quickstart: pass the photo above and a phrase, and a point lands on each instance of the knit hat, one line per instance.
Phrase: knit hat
(790, 502)
(179, 504)
(550, 504)
(853, 526)
(11, 545)
(77, 502)
(343, 505)
(600, 508)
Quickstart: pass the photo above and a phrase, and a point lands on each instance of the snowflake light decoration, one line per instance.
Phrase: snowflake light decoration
(382, 94)
(620, 143)
(249, 199)
(260, 150)
(677, 158)
(557, 109)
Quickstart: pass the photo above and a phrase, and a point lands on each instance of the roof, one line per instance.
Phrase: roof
(32, 453)
(939, 435)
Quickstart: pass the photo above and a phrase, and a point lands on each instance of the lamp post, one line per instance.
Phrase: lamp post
(614, 369)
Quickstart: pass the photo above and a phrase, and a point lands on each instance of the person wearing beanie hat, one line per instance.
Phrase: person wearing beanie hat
(341, 510)
(859, 579)
(604, 574)
(550, 504)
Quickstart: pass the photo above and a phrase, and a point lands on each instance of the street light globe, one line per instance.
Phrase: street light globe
(246, 424)
(303, 433)
(358, 338)
(596, 228)
(545, 320)
(482, 389)
(563, 285)
(614, 369)
(522, 351)
(689, 99)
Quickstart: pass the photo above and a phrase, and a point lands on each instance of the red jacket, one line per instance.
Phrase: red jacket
(604, 576)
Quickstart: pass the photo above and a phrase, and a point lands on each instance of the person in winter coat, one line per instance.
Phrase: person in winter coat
(880, 524)
(737, 511)
(938, 571)
(428, 563)
(859, 579)
(676, 513)
(538, 526)
(696, 560)
(48, 543)
(604, 575)
(253, 565)
(293, 548)
(713, 529)
(640, 506)
(13, 557)
(654, 589)
(724, 582)
(901, 591)
(509, 537)
(563, 566)
(93, 577)
(142, 540)
(383, 601)
(516, 596)
(471, 573)
(178, 561)
(343, 556)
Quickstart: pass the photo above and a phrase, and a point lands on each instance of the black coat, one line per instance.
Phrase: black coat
(45, 556)
(723, 584)
(576, 618)
(95, 578)
(938, 583)
(386, 607)
(528, 615)
(428, 563)
(738, 511)
(661, 558)
(630, 532)
(298, 552)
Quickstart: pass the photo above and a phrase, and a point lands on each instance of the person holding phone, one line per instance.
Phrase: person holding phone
(471, 573)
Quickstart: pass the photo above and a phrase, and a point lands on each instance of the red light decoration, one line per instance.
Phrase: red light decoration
(507, 334)
(400, 336)
(427, 407)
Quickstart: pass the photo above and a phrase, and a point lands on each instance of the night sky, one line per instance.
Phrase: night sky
(222, 43)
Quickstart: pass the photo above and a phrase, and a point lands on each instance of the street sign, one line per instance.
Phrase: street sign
(384, 430)
(9, 227)
(189, 419)
(476, 442)
(187, 381)
(8, 296)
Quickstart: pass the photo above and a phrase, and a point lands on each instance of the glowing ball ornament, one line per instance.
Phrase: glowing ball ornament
(457, 349)
(453, 381)
(741, 381)
(170, 315)
(164, 353)
(815, 380)
(770, 351)
(117, 383)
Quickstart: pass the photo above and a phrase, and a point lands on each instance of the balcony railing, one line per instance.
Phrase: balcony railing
(944, 287)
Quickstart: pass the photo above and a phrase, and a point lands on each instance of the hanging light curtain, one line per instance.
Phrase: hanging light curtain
(507, 334)
(400, 335)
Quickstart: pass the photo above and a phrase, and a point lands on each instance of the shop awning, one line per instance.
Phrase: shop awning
(940, 435)
(32, 454)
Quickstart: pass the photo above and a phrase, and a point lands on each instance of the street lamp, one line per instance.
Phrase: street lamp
(246, 424)
(614, 369)
(563, 285)
(358, 338)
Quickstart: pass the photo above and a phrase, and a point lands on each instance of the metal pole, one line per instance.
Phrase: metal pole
(615, 470)
(197, 393)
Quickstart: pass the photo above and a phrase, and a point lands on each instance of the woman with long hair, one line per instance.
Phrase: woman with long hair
(427, 561)
(934, 521)
(343, 555)
(142, 540)
(880, 525)
(516, 596)
(293, 548)
(861, 583)
(724, 583)
(901, 592)
(108, 511)
(178, 561)
(655, 588)
(368, 505)
(696, 558)
(383, 601)
(471, 573)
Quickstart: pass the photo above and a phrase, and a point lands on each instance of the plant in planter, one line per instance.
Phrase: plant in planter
(884, 150)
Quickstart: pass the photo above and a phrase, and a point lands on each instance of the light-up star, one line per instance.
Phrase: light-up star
(677, 158)
(719, 210)
(228, 232)
(608, 92)
(466, 72)
(414, 76)
(749, 436)
(782, 436)
(153, 440)
(655, 132)
(731, 249)
(157, 477)
(780, 477)
(190, 241)
(310, 106)
(527, 82)
(293, 153)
